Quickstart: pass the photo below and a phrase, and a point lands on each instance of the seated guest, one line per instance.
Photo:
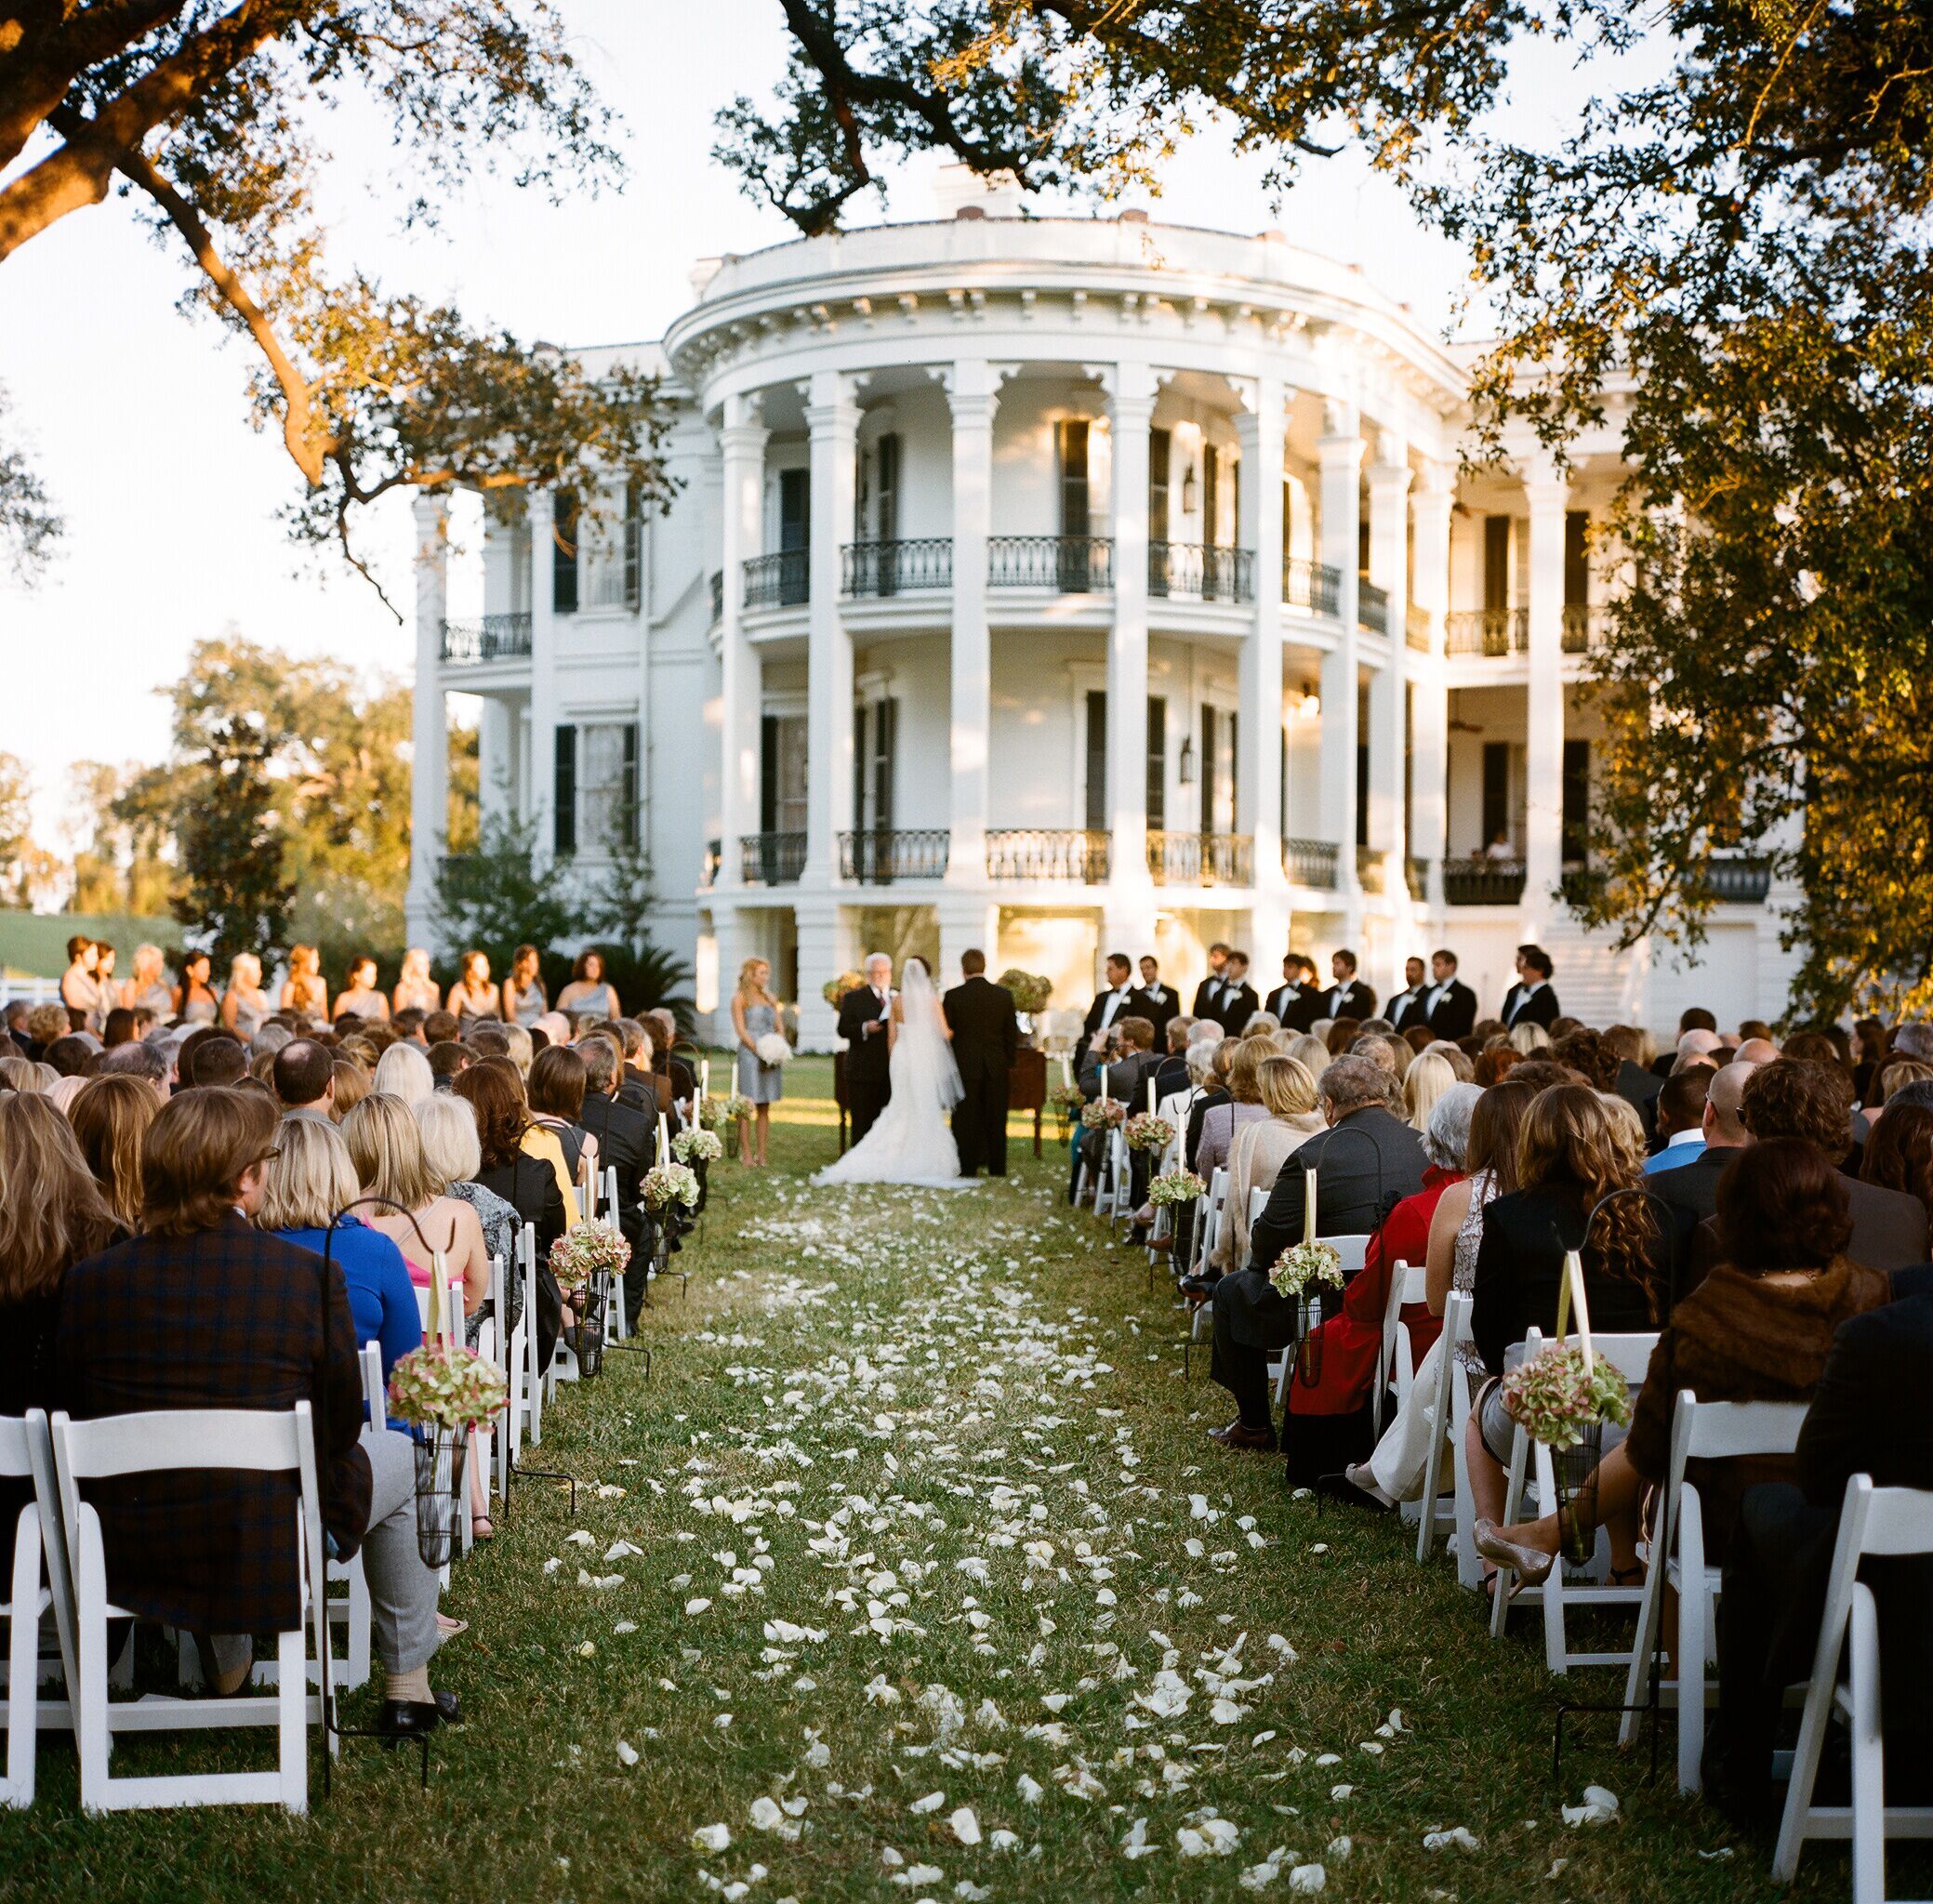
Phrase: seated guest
(145, 1060)
(52, 1214)
(1572, 1154)
(664, 1060)
(1366, 1163)
(540, 1141)
(1220, 1124)
(1680, 1119)
(110, 1117)
(1395, 1471)
(626, 1141)
(1213, 1090)
(441, 1028)
(556, 1091)
(1898, 1154)
(1287, 1094)
(403, 1071)
(447, 1061)
(1428, 1079)
(1173, 1074)
(1868, 1417)
(1121, 1068)
(408, 1026)
(350, 1084)
(1328, 1392)
(1692, 1188)
(589, 993)
(387, 1150)
(264, 1332)
(72, 1056)
(453, 1156)
(1757, 1329)
(1636, 1081)
(303, 1077)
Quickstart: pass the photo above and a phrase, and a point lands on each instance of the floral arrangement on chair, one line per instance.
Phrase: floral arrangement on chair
(1174, 1187)
(448, 1386)
(1103, 1114)
(1068, 1102)
(587, 1247)
(1558, 1401)
(698, 1146)
(721, 1113)
(834, 990)
(1309, 1265)
(1030, 991)
(1147, 1131)
(668, 1183)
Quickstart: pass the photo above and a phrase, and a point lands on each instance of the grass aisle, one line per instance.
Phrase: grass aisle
(911, 1576)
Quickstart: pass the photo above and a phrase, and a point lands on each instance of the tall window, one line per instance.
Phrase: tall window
(794, 535)
(564, 555)
(1159, 446)
(1097, 760)
(886, 488)
(634, 547)
(1496, 561)
(1362, 769)
(1577, 561)
(1575, 832)
(1220, 793)
(875, 758)
(782, 774)
(1075, 516)
(1156, 762)
(1211, 492)
(563, 810)
(596, 788)
(1496, 788)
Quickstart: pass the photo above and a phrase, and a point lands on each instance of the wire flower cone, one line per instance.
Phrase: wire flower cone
(440, 1493)
(1576, 1472)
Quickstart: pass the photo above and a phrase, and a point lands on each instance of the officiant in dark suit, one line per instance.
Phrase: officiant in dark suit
(865, 1022)
(986, 1035)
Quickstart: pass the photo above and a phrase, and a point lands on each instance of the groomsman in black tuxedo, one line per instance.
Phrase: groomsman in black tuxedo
(1347, 998)
(1451, 1005)
(866, 1023)
(1411, 1006)
(1156, 1002)
(1237, 1000)
(1530, 999)
(1112, 1005)
(1208, 989)
(1298, 1001)
(986, 1035)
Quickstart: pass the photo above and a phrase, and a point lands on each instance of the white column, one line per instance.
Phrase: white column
(540, 783)
(967, 925)
(1131, 408)
(823, 954)
(429, 749)
(742, 444)
(1389, 727)
(832, 422)
(1430, 509)
(1545, 490)
(1340, 454)
(496, 760)
(972, 395)
(1261, 431)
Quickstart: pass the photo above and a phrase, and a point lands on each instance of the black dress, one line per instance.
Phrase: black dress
(26, 1382)
(529, 1185)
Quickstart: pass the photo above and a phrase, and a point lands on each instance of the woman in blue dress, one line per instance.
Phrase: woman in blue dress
(755, 1015)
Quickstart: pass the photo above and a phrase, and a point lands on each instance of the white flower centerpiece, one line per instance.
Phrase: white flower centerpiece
(665, 1184)
(1563, 1396)
(592, 1250)
(704, 1146)
(1175, 1187)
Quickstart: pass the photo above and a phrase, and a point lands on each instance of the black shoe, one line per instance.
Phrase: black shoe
(1199, 1287)
(449, 1707)
(401, 1719)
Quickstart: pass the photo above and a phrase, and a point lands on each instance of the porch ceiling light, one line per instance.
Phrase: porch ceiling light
(1187, 770)
(1189, 491)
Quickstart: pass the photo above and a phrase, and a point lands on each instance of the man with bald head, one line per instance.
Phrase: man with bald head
(1755, 1050)
(1693, 1186)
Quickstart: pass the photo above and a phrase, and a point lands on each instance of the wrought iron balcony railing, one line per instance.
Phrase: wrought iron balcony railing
(1372, 607)
(1584, 626)
(771, 859)
(1310, 863)
(894, 568)
(1073, 564)
(778, 581)
(1738, 880)
(1487, 631)
(1483, 882)
(1201, 859)
(881, 854)
(717, 596)
(1202, 569)
(1310, 585)
(1048, 852)
(495, 637)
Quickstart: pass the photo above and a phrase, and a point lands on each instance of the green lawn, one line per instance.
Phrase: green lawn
(925, 1512)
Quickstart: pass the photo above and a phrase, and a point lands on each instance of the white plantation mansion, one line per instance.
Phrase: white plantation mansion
(1060, 585)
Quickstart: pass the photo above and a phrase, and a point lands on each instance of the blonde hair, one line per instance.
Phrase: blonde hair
(24, 1073)
(746, 988)
(310, 1179)
(1527, 1038)
(238, 961)
(63, 1090)
(111, 1116)
(403, 1071)
(1430, 1076)
(388, 1150)
(51, 1211)
(450, 1145)
(1308, 1050)
(1287, 1089)
(1251, 1054)
(521, 1049)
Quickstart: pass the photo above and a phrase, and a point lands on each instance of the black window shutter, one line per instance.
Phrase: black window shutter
(768, 774)
(1074, 490)
(1496, 561)
(1576, 823)
(862, 755)
(1097, 760)
(563, 829)
(1577, 561)
(1209, 730)
(1496, 788)
(563, 556)
(627, 819)
(885, 751)
(1156, 762)
(634, 547)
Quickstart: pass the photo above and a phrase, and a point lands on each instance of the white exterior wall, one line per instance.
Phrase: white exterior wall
(1056, 319)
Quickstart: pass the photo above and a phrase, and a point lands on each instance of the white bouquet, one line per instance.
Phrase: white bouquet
(773, 1049)
(699, 1146)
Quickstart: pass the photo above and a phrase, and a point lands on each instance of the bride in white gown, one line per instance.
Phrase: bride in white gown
(911, 1142)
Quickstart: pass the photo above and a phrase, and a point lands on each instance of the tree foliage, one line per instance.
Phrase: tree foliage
(206, 114)
(1743, 243)
(25, 867)
(233, 895)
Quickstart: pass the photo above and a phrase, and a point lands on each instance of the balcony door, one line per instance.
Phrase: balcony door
(875, 764)
(1160, 446)
(782, 773)
(1220, 790)
(1075, 506)
(794, 535)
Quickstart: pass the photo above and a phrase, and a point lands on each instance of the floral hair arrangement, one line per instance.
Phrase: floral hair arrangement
(446, 1386)
(1147, 1131)
(669, 1184)
(1307, 1265)
(589, 1246)
(1103, 1114)
(1030, 991)
(704, 1146)
(1175, 1186)
(1556, 1399)
(1067, 1100)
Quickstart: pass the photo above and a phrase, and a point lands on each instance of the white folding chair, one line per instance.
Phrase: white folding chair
(616, 1326)
(1701, 1431)
(441, 1320)
(40, 1582)
(1629, 1354)
(258, 1441)
(534, 1396)
(1409, 1284)
(1892, 1522)
(1450, 1411)
(1207, 1231)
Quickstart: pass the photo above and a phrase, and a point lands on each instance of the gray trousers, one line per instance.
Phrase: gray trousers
(402, 1589)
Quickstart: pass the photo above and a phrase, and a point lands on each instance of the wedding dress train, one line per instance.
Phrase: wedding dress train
(911, 1142)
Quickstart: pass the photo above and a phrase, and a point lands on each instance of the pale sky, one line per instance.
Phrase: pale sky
(136, 415)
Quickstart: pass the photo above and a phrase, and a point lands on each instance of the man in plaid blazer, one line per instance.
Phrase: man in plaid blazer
(204, 1311)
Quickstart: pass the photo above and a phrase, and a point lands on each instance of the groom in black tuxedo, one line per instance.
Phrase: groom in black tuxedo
(986, 1035)
(865, 1022)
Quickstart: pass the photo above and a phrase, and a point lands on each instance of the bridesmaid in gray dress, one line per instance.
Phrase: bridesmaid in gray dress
(755, 1015)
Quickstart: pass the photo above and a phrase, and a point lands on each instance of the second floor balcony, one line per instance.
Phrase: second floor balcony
(1203, 571)
(881, 855)
(494, 638)
(1067, 564)
(1487, 631)
(1200, 859)
(1372, 607)
(783, 580)
(896, 567)
(1483, 882)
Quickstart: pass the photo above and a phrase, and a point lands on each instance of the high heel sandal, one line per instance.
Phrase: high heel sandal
(1531, 1565)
